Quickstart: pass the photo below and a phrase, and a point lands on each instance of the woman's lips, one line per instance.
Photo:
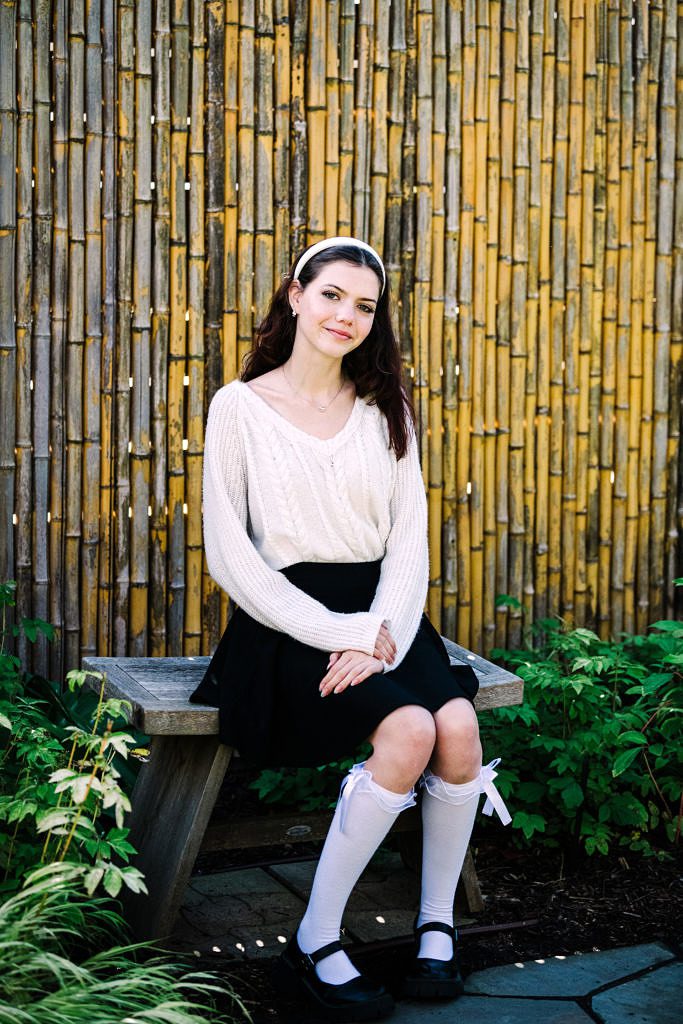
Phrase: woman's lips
(338, 334)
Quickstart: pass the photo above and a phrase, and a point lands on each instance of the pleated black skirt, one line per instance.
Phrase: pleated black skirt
(265, 683)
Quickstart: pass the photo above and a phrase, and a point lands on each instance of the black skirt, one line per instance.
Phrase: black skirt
(265, 683)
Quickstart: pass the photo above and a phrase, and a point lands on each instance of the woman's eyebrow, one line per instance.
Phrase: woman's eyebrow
(345, 293)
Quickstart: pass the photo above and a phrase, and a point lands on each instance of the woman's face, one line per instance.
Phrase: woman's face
(335, 310)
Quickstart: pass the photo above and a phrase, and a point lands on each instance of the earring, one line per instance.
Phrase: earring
(293, 312)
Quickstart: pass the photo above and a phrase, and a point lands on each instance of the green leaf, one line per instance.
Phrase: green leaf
(622, 762)
(5, 722)
(529, 823)
(633, 737)
(572, 795)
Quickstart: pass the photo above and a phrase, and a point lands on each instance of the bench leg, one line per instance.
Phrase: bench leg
(171, 805)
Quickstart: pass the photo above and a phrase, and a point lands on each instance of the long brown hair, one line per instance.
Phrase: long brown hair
(374, 367)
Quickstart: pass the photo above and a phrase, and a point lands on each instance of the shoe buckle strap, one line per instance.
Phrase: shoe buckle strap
(321, 954)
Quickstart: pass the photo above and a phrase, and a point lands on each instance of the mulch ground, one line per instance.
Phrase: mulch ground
(534, 908)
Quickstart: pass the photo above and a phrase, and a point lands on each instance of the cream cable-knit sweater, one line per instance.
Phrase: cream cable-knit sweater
(275, 495)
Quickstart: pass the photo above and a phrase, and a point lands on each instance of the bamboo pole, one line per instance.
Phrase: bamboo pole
(675, 561)
(379, 161)
(245, 173)
(281, 150)
(535, 341)
(215, 271)
(664, 442)
(124, 282)
(316, 65)
(599, 549)
(503, 314)
(543, 363)
(624, 549)
(59, 299)
(609, 324)
(332, 112)
(479, 308)
(363, 115)
(264, 224)
(8, 345)
(522, 363)
(75, 333)
(24, 257)
(649, 85)
(465, 325)
(449, 556)
(423, 217)
(299, 139)
(639, 357)
(42, 229)
(405, 296)
(589, 339)
(435, 310)
(229, 340)
(92, 354)
(194, 552)
(557, 501)
(177, 361)
(487, 483)
(229, 362)
(575, 409)
(160, 332)
(140, 421)
(109, 255)
(347, 47)
(396, 120)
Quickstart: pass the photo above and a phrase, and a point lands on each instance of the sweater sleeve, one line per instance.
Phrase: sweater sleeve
(235, 564)
(402, 590)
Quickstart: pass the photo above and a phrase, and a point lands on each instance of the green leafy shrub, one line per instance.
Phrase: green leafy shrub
(592, 758)
(60, 792)
(62, 838)
(307, 789)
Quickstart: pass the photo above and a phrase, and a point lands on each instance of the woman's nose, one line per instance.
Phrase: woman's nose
(345, 314)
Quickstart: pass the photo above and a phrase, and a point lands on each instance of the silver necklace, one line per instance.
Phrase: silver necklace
(310, 401)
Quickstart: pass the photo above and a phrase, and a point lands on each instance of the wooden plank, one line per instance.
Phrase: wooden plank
(159, 688)
(171, 805)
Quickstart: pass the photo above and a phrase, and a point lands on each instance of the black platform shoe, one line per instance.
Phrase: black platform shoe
(359, 999)
(433, 979)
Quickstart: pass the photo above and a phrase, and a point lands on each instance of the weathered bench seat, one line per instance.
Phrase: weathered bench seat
(176, 790)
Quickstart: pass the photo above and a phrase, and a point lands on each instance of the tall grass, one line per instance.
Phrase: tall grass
(49, 974)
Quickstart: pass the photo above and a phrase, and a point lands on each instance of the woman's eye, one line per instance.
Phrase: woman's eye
(367, 309)
(330, 295)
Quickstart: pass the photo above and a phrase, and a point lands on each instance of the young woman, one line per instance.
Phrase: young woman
(315, 523)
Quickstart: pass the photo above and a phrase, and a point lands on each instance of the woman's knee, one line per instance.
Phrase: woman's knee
(408, 730)
(457, 745)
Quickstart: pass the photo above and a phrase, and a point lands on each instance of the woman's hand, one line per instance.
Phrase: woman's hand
(348, 668)
(385, 647)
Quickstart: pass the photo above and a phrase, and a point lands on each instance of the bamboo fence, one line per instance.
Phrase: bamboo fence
(520, 166)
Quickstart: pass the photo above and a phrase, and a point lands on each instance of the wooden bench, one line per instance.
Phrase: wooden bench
(177, 788)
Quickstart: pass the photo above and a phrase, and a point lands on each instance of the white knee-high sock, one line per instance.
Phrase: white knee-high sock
(448, 813)
(365, 813)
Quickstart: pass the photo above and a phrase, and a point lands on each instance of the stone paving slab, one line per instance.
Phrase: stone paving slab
(238, 913)
(655, 998)
(383, 903)
(485, 1010)
(566, 976)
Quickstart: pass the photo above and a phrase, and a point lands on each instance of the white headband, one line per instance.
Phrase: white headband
(327, 243)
